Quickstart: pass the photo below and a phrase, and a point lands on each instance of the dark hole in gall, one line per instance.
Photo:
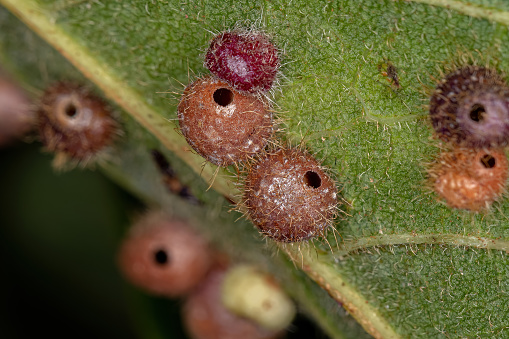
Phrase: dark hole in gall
(161, 257)
(70, 110)
(488, 161)
(223, 96)
(477, 113)
(312, 179)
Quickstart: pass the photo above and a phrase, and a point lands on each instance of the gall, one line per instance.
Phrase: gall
(247, 60)
(470, 107)
(164, 256)
(470, 179)
(206, 317)
(289, 197)
(16, 114)
(74, 122)
(221, 124)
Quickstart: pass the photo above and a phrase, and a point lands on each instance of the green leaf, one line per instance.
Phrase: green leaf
(404, 265)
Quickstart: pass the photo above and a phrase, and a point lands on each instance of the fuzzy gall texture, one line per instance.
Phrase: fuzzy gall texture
(221, 124)
(470, 107)
(16, 115)
(470, 179)
(205, 316)
(248, 61)
(74, 122)
(248, 292)
(289, 197)
(164, 257)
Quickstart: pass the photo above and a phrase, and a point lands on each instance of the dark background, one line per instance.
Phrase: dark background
(58, 237)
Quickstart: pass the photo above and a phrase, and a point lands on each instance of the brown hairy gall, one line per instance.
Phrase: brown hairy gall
(205, 316)
(221, 124)
(164, 256)
(74, 122)
(470, 179)
(289, 197)
(470, 107)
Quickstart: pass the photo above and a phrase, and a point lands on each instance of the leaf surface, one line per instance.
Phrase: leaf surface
(404, 265)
